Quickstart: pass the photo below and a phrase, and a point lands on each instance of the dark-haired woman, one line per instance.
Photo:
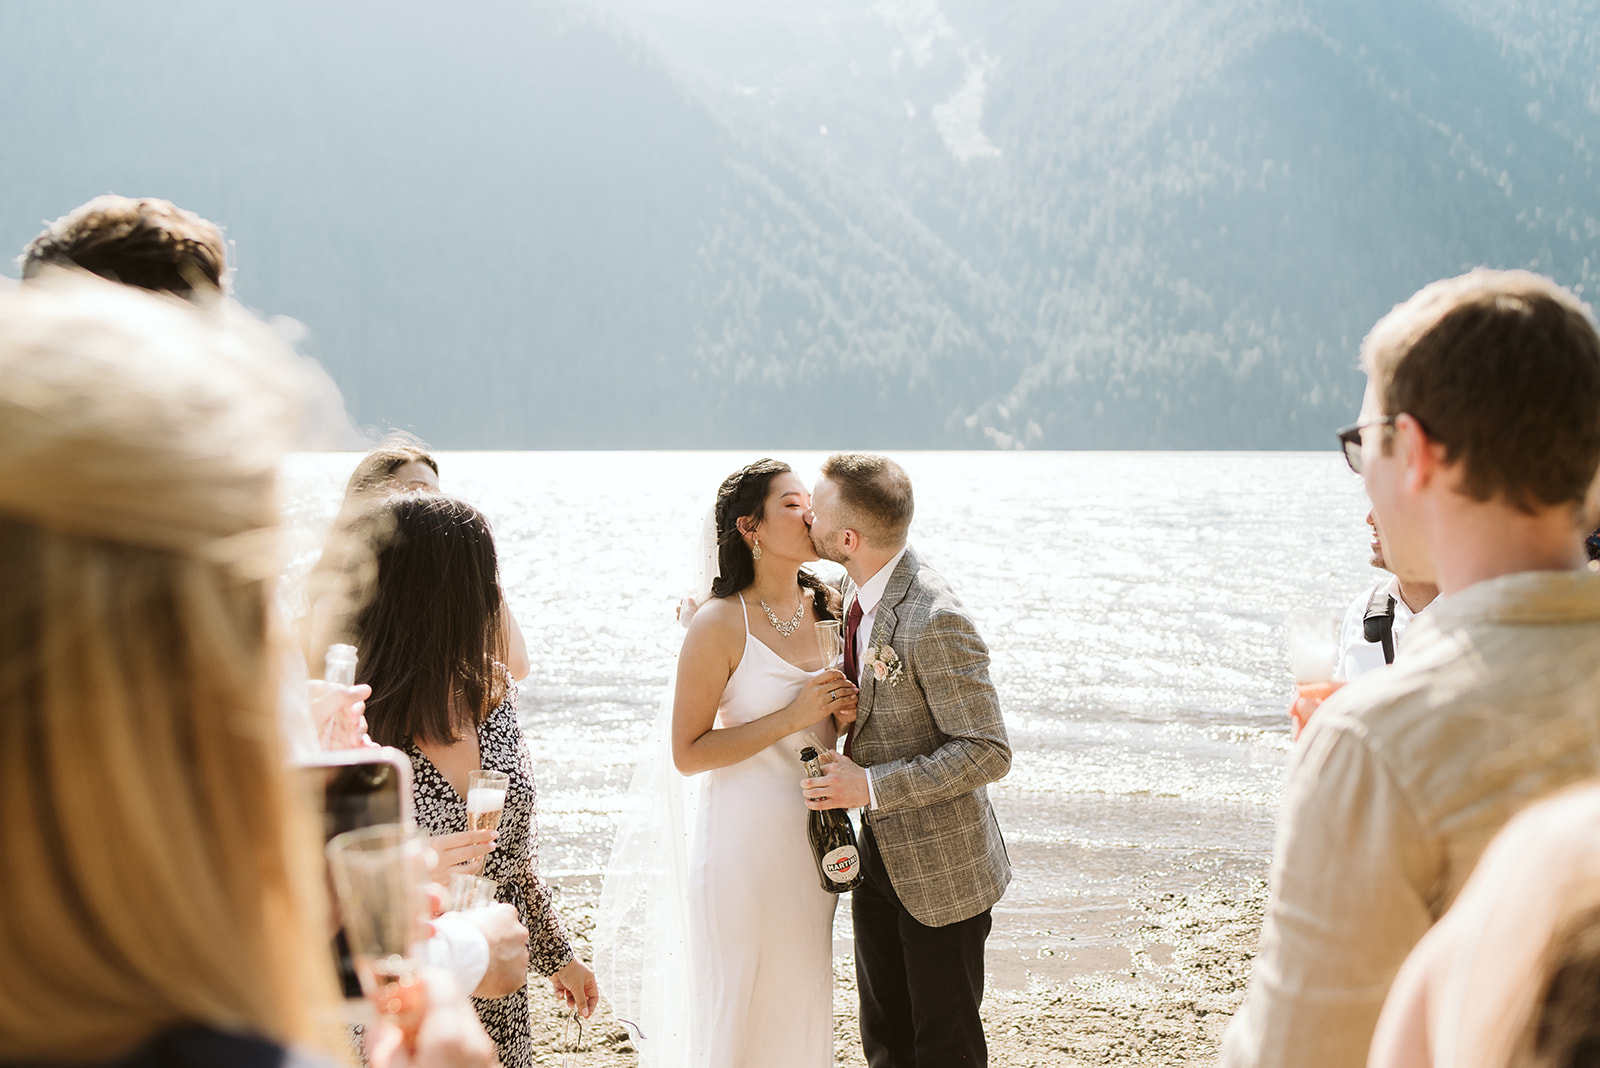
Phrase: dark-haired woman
(751, 684)
(432, 641)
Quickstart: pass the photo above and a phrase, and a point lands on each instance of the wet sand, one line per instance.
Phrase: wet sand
(1182, 963)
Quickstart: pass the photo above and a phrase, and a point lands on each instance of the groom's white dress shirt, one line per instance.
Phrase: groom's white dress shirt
(868, 595)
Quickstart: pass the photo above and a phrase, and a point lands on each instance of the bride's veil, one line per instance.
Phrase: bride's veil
(641, 946)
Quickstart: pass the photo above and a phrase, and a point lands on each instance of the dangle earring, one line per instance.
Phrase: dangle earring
(755, 548)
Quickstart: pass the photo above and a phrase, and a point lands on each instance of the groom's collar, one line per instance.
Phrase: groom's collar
(870, 592)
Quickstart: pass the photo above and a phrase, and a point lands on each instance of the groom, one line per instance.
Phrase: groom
(927, 740)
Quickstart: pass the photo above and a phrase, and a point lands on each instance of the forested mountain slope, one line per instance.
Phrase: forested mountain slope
(906, 223)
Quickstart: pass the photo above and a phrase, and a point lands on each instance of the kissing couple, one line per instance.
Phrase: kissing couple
(714, 936)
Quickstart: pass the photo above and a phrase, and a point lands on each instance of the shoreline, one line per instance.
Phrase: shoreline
(1190, 956)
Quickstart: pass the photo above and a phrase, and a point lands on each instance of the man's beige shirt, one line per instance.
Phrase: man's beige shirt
(1395, 790)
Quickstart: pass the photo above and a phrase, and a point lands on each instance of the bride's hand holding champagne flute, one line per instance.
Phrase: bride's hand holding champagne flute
(830, 643)
(827, 695)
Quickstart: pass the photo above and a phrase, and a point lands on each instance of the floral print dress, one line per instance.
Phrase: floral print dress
(512, 864)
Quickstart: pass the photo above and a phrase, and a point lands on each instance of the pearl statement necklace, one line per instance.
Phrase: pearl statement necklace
(782, 627)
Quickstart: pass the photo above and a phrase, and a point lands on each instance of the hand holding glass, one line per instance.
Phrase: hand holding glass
(379, 873)
(1313, 652)
(486, 800)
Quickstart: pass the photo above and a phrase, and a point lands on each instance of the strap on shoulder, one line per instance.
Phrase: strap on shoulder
(1378, 624)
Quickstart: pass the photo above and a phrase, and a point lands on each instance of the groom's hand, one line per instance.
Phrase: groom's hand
(843, 784)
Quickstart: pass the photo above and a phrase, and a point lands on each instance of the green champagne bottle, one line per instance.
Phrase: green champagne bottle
(833, 840)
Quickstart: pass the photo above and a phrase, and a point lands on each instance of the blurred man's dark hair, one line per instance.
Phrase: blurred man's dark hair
(149, 243)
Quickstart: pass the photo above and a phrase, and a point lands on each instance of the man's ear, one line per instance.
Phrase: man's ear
(1422, 457)
(850, 540)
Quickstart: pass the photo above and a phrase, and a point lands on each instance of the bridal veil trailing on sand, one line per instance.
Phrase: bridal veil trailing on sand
(641, 943)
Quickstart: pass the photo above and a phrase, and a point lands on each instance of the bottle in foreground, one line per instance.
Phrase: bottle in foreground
(833, 840)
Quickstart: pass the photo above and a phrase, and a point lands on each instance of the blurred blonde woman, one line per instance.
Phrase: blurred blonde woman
(163, 892)
(1510, 977)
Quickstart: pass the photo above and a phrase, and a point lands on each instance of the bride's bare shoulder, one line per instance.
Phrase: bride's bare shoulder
(720, 620)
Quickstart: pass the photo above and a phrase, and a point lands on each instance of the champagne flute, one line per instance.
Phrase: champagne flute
(468, 892)
(1313, 652)
(486, 800)
(830, 642)
(378, 872)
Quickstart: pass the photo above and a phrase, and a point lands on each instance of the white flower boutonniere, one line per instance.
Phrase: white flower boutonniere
(885, 664)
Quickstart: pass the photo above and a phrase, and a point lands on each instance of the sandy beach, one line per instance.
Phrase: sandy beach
(1190, 956)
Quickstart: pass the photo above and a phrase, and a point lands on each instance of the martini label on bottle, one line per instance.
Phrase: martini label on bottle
(841, 865)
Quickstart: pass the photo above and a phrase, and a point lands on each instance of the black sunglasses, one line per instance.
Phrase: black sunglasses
(1350, 440)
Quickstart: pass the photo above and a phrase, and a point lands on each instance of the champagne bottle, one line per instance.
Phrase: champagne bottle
(833, 840)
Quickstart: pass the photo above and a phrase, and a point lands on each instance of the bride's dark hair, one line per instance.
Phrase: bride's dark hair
(743, 495)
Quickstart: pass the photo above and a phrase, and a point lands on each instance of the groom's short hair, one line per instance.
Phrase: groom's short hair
(874, 495)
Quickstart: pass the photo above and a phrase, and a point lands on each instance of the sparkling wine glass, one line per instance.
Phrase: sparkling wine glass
(379, 872)
(1313, 652)
(486, 801)
(830, 642)
(468, 892)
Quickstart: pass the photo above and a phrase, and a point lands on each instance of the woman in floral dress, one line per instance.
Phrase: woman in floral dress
(432, 647)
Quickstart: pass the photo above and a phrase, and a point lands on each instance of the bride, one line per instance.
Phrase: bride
(713, 932)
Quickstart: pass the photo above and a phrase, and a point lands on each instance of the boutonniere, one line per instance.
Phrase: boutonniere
(885, 664)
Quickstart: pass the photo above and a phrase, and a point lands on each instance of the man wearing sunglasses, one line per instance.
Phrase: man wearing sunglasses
(1478, 441)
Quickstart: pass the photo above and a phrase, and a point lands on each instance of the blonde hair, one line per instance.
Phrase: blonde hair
(162, 869)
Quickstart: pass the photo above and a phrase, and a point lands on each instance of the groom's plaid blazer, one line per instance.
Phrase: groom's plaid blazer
(933, 740)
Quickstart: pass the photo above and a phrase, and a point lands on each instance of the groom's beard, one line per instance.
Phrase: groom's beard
(826, 551)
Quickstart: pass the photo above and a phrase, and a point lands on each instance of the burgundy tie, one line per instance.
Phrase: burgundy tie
(852, 666)
(852, 627)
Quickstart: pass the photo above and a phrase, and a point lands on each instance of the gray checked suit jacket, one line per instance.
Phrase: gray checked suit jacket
(934, 741)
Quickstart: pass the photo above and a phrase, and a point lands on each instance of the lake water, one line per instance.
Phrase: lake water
(1133, 602)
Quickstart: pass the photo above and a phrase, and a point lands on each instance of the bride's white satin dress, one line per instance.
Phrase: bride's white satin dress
(760, 925)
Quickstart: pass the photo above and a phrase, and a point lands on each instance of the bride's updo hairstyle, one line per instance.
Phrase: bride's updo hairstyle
(432, 630)
(743, 495)
(162, 870)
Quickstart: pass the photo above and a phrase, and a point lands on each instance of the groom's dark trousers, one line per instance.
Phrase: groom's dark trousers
(920, 986)
(930, 735)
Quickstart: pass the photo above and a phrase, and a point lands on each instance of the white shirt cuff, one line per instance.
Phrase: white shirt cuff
(872, 797)
(460, 948)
